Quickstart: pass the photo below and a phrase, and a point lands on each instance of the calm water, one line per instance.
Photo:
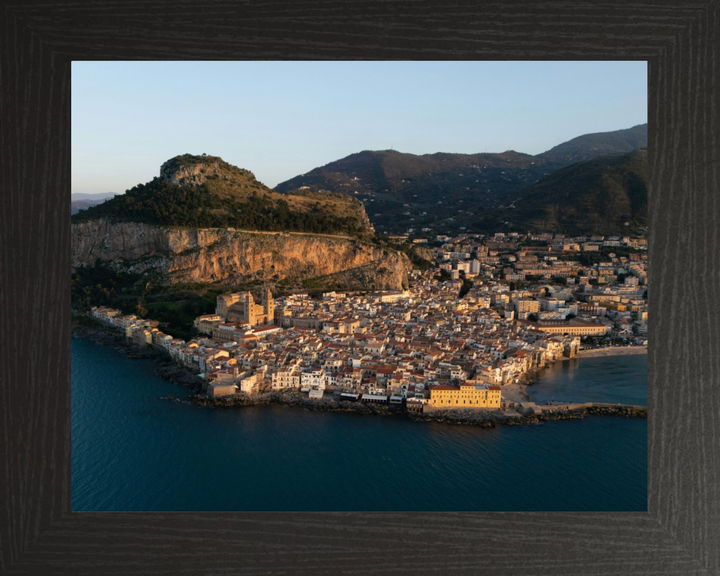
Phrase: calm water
(132, 451)
(613, 379)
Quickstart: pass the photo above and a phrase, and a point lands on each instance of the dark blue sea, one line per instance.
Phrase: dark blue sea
(613, 379)
(132, 451)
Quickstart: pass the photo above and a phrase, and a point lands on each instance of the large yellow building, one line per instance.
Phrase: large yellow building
(572, 327)
(613, 305)
(465, 396)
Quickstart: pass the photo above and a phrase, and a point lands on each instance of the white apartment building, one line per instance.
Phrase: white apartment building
(313, 378)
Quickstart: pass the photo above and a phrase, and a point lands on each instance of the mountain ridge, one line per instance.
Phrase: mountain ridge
(603, 195)
(590, 146)
(402, 191)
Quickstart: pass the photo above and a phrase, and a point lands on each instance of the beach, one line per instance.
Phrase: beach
(515, 393)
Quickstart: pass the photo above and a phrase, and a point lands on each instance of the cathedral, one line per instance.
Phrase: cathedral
(241, 307)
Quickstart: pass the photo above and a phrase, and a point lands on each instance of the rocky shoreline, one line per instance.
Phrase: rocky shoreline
(331, 404)
(169, 370)
(467, 417)
(295, 399)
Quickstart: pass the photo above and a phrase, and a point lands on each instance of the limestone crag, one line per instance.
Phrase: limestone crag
(391, 271)
(216, 255)
(243, 256)
(361, 213)
(424, 252)
(116, 241)
(193, 174)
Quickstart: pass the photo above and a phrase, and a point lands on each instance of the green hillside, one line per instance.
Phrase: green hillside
(403, 190)
(207, 192)
(442, 190)
(596, 196)
(591, 146)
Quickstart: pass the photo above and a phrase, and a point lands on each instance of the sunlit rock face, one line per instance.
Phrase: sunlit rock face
(213, 255)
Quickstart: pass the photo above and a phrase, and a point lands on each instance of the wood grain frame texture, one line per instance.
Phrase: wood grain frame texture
(680, 533)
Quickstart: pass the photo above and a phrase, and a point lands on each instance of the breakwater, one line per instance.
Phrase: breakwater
(612, 351)
(465, 417)
(487, 419)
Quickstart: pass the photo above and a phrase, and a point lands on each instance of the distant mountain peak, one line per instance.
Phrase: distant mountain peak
(589, 146)
(594, 196)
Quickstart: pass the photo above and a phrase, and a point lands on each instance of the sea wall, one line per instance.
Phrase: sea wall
(463, 417)
(612, 351)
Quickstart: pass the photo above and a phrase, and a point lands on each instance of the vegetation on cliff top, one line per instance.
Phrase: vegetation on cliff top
(185, 160)
(161, 203)
(227, 196)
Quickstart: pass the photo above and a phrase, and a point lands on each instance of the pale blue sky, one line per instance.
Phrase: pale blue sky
(281, 119)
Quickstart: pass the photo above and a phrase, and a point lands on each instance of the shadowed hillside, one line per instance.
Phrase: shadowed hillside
(401, 190)
(599, 144)
(596, 196)
(441, 190)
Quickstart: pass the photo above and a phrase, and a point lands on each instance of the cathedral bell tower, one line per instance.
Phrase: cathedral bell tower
(268, 305)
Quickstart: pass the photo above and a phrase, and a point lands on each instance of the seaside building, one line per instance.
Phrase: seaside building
(466, 395)
(220, 389)
(570, 327)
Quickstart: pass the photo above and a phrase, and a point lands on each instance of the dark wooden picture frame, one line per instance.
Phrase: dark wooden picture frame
(680, 533)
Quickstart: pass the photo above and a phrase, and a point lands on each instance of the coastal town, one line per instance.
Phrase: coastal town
(467, 334)
(424, 274)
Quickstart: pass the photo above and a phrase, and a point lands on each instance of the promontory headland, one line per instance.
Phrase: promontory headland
(254, 297)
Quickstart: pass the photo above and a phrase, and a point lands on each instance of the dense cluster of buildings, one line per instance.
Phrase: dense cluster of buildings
(425, 346)
(608, 289)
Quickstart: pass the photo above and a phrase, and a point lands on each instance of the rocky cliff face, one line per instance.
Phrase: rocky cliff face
(217, 255)
(121, 241)
(193, 174)
(390, 272)
(362, 214)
